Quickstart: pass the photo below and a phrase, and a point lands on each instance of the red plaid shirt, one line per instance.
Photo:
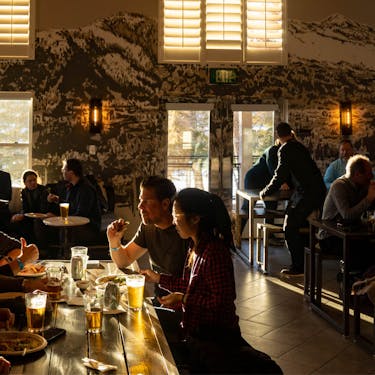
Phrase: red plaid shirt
(210, 288)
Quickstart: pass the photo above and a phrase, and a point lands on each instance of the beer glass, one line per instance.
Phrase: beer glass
(54, 282)
(64, 211)
(93, 305)
(135, 285)
(35, 310)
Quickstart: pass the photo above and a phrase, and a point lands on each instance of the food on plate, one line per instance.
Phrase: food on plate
(118, 279)
(13, 342)
(32, 268)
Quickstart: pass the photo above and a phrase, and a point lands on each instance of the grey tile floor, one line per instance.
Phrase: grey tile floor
(275, 318)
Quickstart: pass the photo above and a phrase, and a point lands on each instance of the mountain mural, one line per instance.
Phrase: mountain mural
(115, 59)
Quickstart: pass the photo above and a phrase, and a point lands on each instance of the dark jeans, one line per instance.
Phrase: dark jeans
(295, 219)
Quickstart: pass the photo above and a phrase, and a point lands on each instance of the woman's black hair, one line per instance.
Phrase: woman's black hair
(214, 217)
(27, 173)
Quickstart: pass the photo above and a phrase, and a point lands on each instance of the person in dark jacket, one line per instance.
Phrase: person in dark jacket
(34, 200)
(5, 197)
(309, 192)
(83, 201)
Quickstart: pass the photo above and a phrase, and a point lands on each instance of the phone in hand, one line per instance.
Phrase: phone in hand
(52, 334)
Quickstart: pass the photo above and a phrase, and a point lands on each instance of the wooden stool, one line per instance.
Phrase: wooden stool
(263, 231)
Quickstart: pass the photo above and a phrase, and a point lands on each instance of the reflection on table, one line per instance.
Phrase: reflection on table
(133, 341)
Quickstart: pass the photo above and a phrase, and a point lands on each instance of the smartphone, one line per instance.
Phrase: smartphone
(52, 334)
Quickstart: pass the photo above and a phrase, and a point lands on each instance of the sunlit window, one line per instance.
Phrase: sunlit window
(17, 29)
(15, 134)
(222, 31)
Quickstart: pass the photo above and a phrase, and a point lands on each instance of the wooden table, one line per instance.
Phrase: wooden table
(64, 224)
(348, 238)
(252, 196)
(133, 341)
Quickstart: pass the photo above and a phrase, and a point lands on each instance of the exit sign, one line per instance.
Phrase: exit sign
(223, 76)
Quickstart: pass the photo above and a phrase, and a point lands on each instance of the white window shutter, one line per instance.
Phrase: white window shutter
(17, 29)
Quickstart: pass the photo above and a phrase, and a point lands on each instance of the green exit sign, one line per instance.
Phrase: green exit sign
(223, 76)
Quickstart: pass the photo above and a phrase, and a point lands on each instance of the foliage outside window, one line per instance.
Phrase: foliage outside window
(188, 148)
(15, 134)
(17, 29)
(222, 31)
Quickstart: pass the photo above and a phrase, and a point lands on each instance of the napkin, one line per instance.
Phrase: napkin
(96, 365)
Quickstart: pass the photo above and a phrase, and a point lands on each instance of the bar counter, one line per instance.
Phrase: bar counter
(133, 341)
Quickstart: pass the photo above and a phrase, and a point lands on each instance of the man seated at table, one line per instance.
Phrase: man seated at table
(337, 168)
(156, 235)
(309, 191)
(83, 201)
(349, 197)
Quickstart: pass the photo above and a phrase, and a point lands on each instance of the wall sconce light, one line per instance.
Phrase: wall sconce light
(346, 118)
(96, 122)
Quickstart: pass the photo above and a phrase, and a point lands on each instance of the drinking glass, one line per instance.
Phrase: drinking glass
(93, 305)
(35, 310)
(54, 282)
(135, 285)
(64, 211)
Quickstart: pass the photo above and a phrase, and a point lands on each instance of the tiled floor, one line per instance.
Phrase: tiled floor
(275, 318)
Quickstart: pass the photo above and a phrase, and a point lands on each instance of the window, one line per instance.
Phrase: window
(223, 31)
(188, 145)
(253, 132)
(17, 29)
(15, 134)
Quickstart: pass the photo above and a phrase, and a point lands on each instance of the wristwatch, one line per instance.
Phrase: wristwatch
(20, 264)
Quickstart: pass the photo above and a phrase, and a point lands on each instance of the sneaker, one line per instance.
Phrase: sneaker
(291, 271)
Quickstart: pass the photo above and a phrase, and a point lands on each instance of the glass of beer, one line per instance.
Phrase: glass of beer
(135, 285)
(35, 310)
(93, 304)
(54, 282)
(64, 211)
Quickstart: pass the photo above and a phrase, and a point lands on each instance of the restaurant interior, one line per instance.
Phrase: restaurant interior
(92, 56)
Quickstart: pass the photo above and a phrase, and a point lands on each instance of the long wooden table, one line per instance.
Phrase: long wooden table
(348, 237)
(252, 195)
(133, 341)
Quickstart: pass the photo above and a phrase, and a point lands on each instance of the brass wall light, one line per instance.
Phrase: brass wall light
(96, 116)
(346, 118)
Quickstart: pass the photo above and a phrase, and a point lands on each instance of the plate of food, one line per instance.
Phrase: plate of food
(118, 279)
(35, 215)
(33, 270)
(21, 343)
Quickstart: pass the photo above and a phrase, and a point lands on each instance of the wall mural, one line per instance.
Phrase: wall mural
(115, 59)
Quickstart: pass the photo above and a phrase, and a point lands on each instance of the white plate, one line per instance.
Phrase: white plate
(14, 343)
(28, 271)
(118, 279)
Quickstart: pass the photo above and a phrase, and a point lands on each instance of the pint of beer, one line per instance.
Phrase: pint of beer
(135, 285)
(35, 310)
(93, 305)
(54, 282)
(64, 210)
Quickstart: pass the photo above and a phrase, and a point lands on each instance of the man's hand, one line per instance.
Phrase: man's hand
(17, 217)
(29, 285)
(30, 253)
(52, 198)
(6, 318)
(151, 276)
(115, 231)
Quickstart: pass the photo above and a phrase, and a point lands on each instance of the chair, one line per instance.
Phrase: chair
(263, 232)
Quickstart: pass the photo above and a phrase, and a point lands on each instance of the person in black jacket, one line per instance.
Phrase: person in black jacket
(5, 197)
(294, 159)
(34, 200)
(83, 201)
